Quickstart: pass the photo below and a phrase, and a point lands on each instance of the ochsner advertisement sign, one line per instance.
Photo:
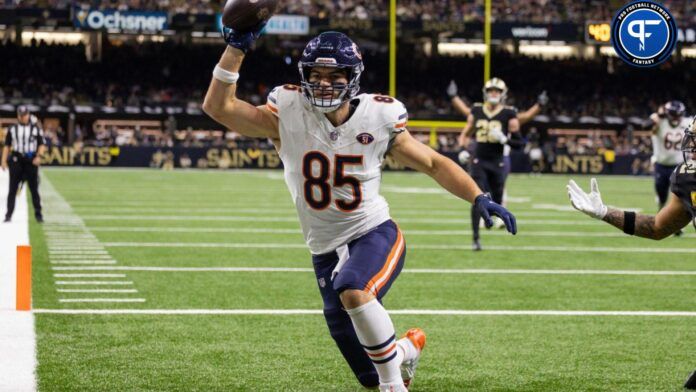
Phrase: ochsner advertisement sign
(144, 22)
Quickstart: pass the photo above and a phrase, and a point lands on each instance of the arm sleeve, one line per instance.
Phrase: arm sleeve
(272, 101)
(8, 137)
(401, 121)
(516, 141)
(40, 139)
(674, 183)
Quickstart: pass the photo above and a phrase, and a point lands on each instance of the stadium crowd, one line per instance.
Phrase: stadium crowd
(142, 75)
(528, 11)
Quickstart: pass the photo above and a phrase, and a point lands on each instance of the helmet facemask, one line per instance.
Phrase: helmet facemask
(326, 98)
(494, 100)
(495, 84)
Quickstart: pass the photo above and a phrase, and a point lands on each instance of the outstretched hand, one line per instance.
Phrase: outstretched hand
(488, 207)
(588, 203)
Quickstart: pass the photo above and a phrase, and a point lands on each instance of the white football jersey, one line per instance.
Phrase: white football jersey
(334, 173)
(667, 142)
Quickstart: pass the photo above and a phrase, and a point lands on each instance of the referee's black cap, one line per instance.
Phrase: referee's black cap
(22, 110)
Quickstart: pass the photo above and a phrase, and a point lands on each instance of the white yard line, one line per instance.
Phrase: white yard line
(234, 218)
(112, 291)
(470, 271)
(71, 261)
(427, 312)
(272, 245)
(104, 300)
(89, 275)
(93, 282)
(526, 233)
(274, 212)
(17, 335)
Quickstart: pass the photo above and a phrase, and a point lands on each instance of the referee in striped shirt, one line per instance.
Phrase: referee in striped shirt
(24, 146)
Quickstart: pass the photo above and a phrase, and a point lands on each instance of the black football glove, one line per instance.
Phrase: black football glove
(488, 207)
(242, 41)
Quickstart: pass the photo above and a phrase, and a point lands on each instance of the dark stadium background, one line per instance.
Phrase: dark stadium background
(132, 98)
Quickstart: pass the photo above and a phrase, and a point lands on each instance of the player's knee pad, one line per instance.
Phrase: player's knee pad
(343, 333)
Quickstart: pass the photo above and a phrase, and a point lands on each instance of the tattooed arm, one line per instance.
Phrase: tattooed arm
(667, 222)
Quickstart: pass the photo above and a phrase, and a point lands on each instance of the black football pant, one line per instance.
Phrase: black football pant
(21, 169)
(490, 177)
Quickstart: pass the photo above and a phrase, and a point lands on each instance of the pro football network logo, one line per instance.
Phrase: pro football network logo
(644, 33)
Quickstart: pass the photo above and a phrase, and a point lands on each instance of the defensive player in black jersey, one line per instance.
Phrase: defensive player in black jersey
(492, 125)
(676, 214)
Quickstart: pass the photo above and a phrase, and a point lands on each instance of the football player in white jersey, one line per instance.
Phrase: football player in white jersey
(668, 130)
(669, 123)
(332, 142)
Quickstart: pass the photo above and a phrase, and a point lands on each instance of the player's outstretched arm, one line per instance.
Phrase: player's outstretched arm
(668, 221)
(221, 102)
(529, 114)
(457, 102)
(414, 154)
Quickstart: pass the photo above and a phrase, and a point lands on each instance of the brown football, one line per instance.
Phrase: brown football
(244, 15)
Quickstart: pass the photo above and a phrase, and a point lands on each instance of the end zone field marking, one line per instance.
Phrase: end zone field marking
(101, 300)
(582, 313)
(407, 271)
(416, 246)
(83, 261)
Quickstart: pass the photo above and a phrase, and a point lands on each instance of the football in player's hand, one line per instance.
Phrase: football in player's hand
(244, 15)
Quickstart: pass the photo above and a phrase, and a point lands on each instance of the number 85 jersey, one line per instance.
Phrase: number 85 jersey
(334, 173)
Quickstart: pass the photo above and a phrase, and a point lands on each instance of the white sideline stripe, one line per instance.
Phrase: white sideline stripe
(582, 222)
(93, 282)
(113, 291)
(416, 246)
(407, 270)
(425, 312)
(83, 261)
(17, 333)
(89, 275)
(574, 234)
(101, 300)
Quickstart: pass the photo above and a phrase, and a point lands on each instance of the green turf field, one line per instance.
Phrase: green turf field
(191, 243)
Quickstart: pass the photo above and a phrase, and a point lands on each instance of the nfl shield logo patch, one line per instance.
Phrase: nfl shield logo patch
(322, 283)
(365, 138)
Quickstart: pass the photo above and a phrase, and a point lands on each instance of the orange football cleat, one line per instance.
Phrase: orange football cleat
(408, 368)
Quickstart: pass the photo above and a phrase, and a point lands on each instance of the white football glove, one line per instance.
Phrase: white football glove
(463, 157)
(588, 203)
(496, 134)
(452, 89)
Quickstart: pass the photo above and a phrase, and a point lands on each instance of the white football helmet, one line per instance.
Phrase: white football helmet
(495, 84)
